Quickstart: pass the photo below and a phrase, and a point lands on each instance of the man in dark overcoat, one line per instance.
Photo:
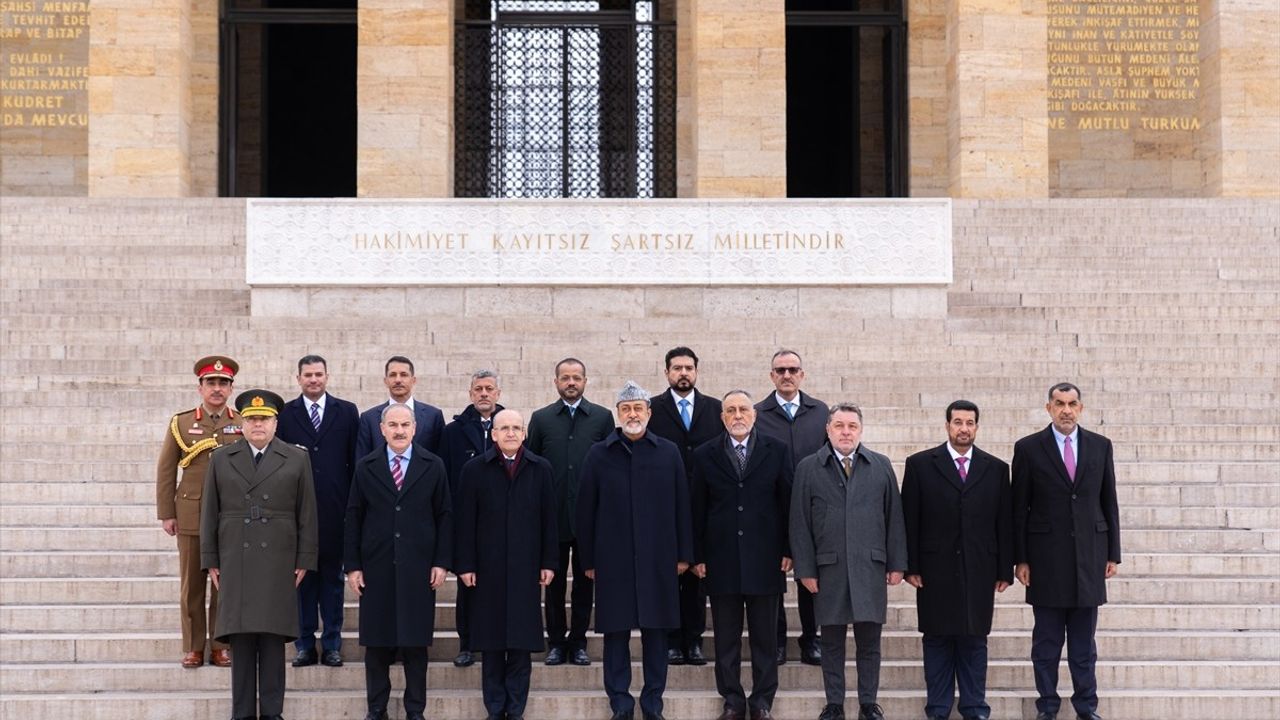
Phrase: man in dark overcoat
(741, 495)
(505, 552)
(326, 426)
(467, 436)
(956, 506)
(399, 539)
(563, 432)
(1066, 544)
(848, 544)
(687, 417)
(257, 541)
(636, 537)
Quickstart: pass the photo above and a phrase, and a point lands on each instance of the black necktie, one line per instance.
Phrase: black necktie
(257, 456)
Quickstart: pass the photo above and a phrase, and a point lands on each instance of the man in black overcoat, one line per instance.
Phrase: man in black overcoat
(687, 418)
(741, 499)
(636, 537)
(956, 507)
(1066, 543)
(399, 538)
(505, 552)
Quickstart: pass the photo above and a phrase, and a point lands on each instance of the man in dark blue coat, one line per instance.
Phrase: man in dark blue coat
(636, 537)
(398, 376)
(741, 498)
(505, 551)
(326, 426)
(399, 538)
(469, 436)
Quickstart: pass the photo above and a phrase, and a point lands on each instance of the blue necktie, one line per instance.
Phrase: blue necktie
(684, 414)
(315, 415)
(791, 410)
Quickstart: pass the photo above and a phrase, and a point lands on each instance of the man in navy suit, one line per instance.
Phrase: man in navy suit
(1066, 543)
(326, 427)
(399, 378)
(687, 418)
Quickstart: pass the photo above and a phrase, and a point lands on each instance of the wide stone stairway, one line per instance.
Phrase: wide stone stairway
(1166, 313)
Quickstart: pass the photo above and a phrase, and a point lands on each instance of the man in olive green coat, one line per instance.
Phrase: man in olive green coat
(258, 538)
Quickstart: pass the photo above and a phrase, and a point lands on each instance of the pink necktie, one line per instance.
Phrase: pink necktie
(396, 473)
(1069, 458)
(964, 474)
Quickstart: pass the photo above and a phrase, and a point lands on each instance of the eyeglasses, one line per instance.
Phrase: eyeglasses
(787, 371)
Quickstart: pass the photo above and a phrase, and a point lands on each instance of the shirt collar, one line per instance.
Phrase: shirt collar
(306, 401)
(968, 455)
(676, 397)
(1059, 437)
(407, 454)
(782, 403)
(576, 405)
(393, 401)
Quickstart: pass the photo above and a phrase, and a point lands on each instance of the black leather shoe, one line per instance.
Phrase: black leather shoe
(1088, 716)
(761, 714)
(331, 658)
(975, 717)
(675, 656)
(376, 715)
(415, 716)
(624, 715)
(305, 658)
(694, 656)
(810, 654)
(832, 712)
(464, 659)
(270, 717)
(580, 657)
(782, 655)
(555, 656)
(653, 716)
(870, 711)
(1047, 716)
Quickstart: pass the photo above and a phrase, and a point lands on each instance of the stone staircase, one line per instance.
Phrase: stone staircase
(1167, 313)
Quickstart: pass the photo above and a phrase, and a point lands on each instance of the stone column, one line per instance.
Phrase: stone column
(404, 96)
(997, 131)
(927, 97)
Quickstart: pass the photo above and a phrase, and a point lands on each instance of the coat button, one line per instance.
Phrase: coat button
(739, 484)
(247, 497)
(739, 533)
(264, 544)
(266, 497)
(1073, 496)
(184, 495)
(246, 545)
(316, 449)
(739, 508)
(264, 519)
(397, 508)
(570, 437)
(246, 521)
(397, 534)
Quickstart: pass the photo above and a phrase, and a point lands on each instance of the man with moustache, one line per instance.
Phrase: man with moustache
(636, 538)
(189, 440)
(398, 376)
(563, 432)
(399, 540)
(1066, 528)
(257, 541)
(467, 436)
(741, 495)
(326, 426)
(800, 421)
(506, 549)
(687, 418)
(849, 544)
(956, 507)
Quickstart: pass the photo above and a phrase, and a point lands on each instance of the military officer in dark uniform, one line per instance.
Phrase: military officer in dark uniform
(188, 440)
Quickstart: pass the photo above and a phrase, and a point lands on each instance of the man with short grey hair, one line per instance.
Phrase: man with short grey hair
(849, 543)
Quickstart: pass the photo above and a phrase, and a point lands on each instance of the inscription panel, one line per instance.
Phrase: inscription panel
(655, 242)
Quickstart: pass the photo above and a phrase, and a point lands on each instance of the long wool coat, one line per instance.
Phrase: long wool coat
(257, 525)
(395, 538)
(634, 525)
(505, 530)
(847, 534)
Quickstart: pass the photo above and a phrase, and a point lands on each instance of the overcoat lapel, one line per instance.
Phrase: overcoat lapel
(272, 460)
(1050, 447)
(417, 468)
(727, 464)
(947, 468)
(699, 409)
(753, 458)
(978, 467)
(242, 460)
(326, 420)
(382, 471)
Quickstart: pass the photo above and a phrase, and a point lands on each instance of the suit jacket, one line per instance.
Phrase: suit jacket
(959, 538)
(258, 524)
(740, 519)
(564, 442)
(197, 435)
(805, 435)
(395, 538)
(333, 459)
(847, 534)
(430, 428)
(705, 423)
(463, 439)
(1066, 532)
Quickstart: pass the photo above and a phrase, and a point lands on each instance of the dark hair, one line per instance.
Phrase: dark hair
(311, 360)
(397, 359)
(571, 361)
(681, 351)
(843, 407)
(963, 405)
(1066, 387)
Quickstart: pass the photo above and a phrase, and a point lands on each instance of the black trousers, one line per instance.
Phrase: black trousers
(866, 635)
(257, 674)
(726, 622)
(808, 627)
(463, 615)
(956, 659)
(324, 589)
(617, 670)
(1075, 626)
(693, 613)
(504, 681)
(583, 592)
(377, 677)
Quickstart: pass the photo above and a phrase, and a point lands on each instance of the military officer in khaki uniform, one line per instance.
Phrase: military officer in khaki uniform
(188, 442)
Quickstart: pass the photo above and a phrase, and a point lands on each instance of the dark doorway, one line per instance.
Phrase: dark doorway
(288, 100)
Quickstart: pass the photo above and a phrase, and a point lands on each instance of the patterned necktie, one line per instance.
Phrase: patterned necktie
(684, 414)
(484, 436)
(848, 467)
(742, 457)
(397, 475)
(315, 415)
(1069, 458)
(791, 410)
(572, 410)
(960, 465)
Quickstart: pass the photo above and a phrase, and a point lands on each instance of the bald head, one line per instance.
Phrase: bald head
(508, 431)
